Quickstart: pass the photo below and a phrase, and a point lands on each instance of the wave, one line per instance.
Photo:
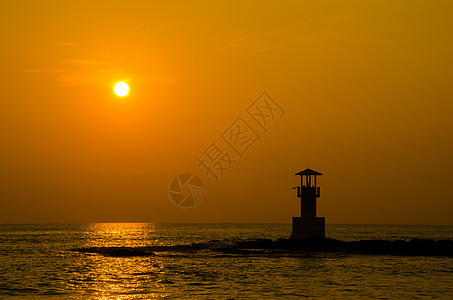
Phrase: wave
(413, 247)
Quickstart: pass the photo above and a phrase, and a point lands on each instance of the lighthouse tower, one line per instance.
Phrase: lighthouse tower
(308, 224)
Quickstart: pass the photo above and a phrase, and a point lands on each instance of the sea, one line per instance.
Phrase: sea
(42, 261)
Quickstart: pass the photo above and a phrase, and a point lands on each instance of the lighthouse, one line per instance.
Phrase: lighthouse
(308, 224)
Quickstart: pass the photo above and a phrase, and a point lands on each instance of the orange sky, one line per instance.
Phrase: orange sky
(366, 86)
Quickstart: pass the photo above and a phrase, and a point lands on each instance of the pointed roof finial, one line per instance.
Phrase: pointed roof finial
(308, 172)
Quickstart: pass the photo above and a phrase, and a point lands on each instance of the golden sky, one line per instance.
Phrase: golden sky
(366, 87)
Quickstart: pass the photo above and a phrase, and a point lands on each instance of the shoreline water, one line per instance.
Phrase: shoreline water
(413, 247)
(200, 261)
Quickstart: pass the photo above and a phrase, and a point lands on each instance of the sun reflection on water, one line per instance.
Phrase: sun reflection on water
(120, 277)
(121, 234)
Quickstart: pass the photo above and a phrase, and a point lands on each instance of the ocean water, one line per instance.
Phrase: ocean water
(39, 261)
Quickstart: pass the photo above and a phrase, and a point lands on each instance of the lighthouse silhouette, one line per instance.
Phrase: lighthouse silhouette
(308, 224)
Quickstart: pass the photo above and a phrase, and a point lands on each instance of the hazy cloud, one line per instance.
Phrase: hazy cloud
(65, 44)
(87, 69)
(244, 44)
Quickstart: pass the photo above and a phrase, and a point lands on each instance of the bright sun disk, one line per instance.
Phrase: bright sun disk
(121, 89)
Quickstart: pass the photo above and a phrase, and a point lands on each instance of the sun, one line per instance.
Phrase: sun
(121, 89)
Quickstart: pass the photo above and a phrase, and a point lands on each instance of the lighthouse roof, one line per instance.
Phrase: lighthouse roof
(308, 172)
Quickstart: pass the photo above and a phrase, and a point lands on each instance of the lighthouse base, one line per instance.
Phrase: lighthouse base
(306, 228)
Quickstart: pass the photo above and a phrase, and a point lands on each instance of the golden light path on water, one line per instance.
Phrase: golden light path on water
(122, 234)
(120, 276)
